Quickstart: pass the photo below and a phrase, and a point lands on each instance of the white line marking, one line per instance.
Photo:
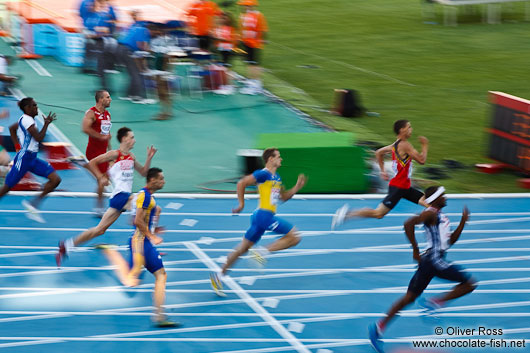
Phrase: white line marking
(346, 65)
(265, 315)
(191, 196)
(39, 69)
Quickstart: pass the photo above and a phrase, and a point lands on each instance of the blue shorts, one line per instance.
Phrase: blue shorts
(263, 220)
(427, 271)
(151, 258)
(119, 201)
(27, 162)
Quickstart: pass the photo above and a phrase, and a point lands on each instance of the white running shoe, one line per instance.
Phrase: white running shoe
(33, 213)
(338, 217)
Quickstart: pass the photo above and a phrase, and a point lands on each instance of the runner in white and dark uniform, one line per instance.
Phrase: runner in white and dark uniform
(432, 262)
(121, 174)
(26, 138)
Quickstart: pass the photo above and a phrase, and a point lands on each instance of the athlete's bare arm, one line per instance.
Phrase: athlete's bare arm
(92, 166)
(380, 157)
(13, 132)
(241, 186)
(287, 194)
(142, 169)
(86, 126)
(139, 221)
(421, 158)
(456, 234)
(39, 135)
(426, 217)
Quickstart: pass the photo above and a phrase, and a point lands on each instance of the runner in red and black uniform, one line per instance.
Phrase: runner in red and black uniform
(403, 153)
(96, 124)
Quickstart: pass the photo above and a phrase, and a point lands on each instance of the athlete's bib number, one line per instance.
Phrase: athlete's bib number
(105, 127)
(275, 196)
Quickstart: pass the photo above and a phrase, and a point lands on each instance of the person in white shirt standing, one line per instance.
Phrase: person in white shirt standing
(26, 138)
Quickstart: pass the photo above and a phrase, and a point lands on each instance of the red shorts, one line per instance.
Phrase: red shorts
(91, 154)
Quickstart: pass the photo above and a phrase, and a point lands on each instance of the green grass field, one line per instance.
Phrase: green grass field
(435, 76)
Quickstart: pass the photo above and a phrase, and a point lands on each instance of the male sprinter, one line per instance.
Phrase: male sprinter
(142, 252)
(121, 174)
(271, 191)
(403, 153)
(432, 262)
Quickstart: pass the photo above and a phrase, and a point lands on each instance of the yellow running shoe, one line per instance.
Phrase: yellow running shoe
(217, 285)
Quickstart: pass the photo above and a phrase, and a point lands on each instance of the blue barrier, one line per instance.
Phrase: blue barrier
(45, 39)
(71, 49)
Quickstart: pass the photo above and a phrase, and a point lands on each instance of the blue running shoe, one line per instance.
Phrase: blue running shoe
(375, 338)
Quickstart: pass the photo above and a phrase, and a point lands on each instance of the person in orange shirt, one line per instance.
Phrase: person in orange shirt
(253, 28)
(226, 38)
(201, 20)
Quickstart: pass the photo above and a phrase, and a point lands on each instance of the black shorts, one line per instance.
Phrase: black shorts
(252, 56)
(395, 194)
(427, 271)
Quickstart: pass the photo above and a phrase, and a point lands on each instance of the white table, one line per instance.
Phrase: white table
(491, 12)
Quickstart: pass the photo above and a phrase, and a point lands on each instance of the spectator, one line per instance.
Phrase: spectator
(226, 37)
(201, 22)
(253, 27)
(5, 79)
(132, 45)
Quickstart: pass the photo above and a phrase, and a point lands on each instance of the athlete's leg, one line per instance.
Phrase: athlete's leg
(292, 238)
(467, 284)
(458, 291)
(110, 216)
(398, 305)
(53, 181)
(4, 190)
(379, 212)
(122, 267)
(159, 294)
(241, 249)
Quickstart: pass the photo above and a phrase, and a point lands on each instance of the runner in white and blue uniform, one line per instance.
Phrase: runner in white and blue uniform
(26, 138)
(432, 262)
(121, 173)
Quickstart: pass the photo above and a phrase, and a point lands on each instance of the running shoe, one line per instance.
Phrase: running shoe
(165, 322)
(258, 256)
(33, 212)
(338, 217)
(61, 254)
(375, 338)
(217, 285)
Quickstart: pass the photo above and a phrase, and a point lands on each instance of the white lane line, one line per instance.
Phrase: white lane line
(39, 69)
(346, 65)
(231, 215)
(250, 301)
(264, 270)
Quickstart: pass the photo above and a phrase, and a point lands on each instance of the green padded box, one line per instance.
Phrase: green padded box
(330, 160)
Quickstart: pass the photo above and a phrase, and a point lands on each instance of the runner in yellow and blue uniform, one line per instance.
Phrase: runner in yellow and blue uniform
(271, 191)
(142, 251)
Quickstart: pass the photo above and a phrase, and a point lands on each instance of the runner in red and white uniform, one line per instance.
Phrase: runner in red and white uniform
(121, 173)
(96, 124)
(399, 187)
